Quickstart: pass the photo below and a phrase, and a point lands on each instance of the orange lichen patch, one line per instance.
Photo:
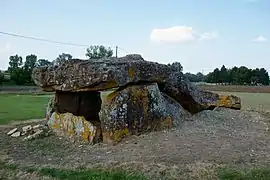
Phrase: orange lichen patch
(229, 101)
(72, 126)
(131, 72)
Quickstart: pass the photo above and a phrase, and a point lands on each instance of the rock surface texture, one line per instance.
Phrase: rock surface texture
(150, 96)
(138, 109)
(68, 125)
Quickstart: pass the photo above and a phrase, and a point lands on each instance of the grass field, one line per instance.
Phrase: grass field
(22, 107)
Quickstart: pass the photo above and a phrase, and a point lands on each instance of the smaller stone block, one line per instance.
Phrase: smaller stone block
(72, 126)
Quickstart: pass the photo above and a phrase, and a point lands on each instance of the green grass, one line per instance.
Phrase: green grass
(227, 173)
(82, 174)
(85, 174)
(22, 107)
(247, 174)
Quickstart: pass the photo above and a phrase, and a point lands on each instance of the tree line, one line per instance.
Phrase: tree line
(233, 76)
(19, 71)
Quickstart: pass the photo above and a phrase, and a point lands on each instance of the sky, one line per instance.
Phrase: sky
(200, 34)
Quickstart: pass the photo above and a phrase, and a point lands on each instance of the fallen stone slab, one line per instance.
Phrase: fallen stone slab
(71, 126)
(12, 131)
(38, 133)
(138, 109)
(27, 128)
(16, 134)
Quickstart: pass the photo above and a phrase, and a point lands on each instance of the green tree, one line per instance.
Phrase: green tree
(263, 76)
(2, 78)
(16, 70)
(200, 77)
(30, 63)
(62, 58)
(97, 52)
(243, 75)
(216, 76)
(192, 77)
(223, 75)
(43, 62)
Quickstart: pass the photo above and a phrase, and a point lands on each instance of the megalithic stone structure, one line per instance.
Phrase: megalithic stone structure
(150, 96)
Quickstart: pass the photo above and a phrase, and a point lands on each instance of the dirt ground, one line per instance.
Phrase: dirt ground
(213, 138)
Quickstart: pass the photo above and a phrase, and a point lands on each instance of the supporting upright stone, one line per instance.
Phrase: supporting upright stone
(138, 109)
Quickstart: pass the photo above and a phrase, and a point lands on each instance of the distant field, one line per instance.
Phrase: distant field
(252, 101)
(233, 88)
(22, 107)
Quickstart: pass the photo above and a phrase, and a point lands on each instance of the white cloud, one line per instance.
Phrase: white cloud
(179, 34)
(209, 36)
(260, 39)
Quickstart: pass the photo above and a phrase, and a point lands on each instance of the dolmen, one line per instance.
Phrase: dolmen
(109, 99)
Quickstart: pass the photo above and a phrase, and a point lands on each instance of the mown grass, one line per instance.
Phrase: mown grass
(22, 107)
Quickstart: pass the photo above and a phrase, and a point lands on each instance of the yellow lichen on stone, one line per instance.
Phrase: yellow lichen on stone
(229, 101)
(224, 101)
(115, 136)
(69, 125)
(131, 72)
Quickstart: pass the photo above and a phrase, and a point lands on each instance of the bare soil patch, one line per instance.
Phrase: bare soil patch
(221, 137)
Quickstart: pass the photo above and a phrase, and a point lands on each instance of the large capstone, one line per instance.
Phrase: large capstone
(138, 109)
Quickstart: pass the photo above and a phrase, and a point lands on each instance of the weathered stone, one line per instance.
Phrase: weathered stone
(38, 133)
(16, 134)
(94, 75)
(12, 131)
(138, 109)
(72, 126)
(37, 126)
(50, 108)
(27, 128)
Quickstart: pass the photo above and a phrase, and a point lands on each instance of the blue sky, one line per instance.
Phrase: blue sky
(200, 34)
